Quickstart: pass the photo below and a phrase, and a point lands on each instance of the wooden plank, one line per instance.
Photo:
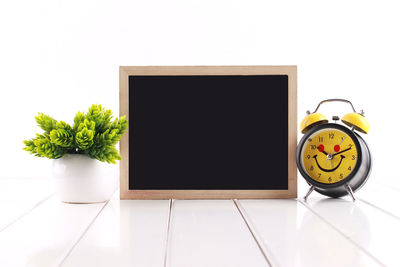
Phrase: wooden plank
(19, 196)
(126, 233)
(210, 233)
(382, 197)
(370, 228)
(295, 236)
(12, 189)
(393, 183)
(45, 235)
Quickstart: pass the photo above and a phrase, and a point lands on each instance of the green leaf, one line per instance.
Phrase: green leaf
(105, 154)
(86, 124)
(46, 122)
(100, 116)
(84, 138)
(45, 148)
(62, 137)
(63, 125)
(79, 118)
(30, 147)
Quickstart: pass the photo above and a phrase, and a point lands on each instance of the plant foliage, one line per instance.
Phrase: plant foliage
(94, 134)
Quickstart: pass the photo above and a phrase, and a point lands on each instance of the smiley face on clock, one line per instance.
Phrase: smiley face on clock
(329, 155)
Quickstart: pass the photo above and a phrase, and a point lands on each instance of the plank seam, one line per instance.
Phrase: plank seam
(82, 235)
(168, 232)
(383, 184)
(26, 212)
(348, 238)
(253, 233)
(379, 208)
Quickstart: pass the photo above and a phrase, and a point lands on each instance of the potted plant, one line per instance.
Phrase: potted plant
(80, 153)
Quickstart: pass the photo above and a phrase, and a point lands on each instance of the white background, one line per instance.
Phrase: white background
(59, 57)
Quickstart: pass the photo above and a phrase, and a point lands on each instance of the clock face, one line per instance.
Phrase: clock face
(329, 155)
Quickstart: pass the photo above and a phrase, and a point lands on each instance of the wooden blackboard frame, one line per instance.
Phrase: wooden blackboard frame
(291, 71)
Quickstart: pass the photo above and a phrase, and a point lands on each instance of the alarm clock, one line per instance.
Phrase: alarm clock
(333, 158)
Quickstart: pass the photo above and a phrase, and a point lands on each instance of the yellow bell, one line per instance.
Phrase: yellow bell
(356, 120)
(312, 120)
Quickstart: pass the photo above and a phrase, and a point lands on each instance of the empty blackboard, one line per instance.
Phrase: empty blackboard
(208, 132)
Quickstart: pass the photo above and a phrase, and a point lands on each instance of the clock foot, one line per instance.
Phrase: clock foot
(350, 191)
(309, 192)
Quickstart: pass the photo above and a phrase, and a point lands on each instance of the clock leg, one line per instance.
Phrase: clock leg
(309, 192)
(350, 191)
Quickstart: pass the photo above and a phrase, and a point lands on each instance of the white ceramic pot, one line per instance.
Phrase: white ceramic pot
(80, 179)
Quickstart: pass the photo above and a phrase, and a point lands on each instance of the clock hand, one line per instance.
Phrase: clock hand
(337, 147)
(341, 151)
(330, 155)
(321, 149)
(342, 140)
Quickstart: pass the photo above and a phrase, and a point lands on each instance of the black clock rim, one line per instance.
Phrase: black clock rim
(354, 136)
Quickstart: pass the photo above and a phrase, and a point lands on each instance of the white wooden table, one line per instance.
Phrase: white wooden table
(36, 229)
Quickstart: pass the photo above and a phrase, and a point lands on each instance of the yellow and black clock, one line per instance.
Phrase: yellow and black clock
(333, 158)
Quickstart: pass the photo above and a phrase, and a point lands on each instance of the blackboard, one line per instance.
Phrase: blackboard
(200, 133)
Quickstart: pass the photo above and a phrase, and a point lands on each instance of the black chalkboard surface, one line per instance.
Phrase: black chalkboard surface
(193, 134)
